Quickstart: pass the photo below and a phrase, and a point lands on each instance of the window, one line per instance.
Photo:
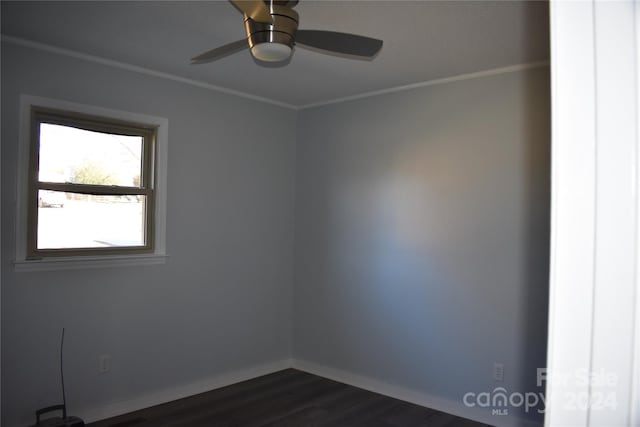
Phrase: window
(92, 186)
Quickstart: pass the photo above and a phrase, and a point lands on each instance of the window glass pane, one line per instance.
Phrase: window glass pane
(70, 220)
(79, 156)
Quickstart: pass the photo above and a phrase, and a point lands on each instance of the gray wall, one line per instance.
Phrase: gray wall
(223, 300)
(422, 231)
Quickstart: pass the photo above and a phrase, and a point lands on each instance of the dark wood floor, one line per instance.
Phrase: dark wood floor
(288, 398)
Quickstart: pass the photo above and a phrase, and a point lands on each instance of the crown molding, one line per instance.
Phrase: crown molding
(444, 80)
(160, 74)
(137, 69)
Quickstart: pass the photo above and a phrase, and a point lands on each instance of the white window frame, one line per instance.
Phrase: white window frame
(158, 254)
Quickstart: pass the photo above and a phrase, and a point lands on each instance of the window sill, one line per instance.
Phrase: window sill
(75, 263)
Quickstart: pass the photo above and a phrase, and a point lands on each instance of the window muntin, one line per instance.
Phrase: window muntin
(100, 172)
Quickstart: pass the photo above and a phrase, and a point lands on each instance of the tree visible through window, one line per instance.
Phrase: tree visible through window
(91, 185)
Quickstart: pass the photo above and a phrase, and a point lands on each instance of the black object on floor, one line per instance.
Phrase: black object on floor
(65, 421)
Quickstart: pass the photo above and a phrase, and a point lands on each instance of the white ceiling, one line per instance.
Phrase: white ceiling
(423, 40)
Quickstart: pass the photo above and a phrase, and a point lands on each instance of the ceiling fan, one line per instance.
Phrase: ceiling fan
(272, 32)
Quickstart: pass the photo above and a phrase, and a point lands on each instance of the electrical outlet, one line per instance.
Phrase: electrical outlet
(498, 371)
(105, 363)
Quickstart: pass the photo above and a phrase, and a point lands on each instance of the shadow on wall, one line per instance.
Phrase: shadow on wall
(537, 222)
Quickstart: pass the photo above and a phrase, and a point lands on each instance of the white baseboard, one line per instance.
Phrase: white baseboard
(108, 410)
(412, 396)
(173, 393)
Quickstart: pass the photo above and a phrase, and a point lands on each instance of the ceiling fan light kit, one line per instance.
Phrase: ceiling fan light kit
(272, 32)
(274, 41)
(271, 52)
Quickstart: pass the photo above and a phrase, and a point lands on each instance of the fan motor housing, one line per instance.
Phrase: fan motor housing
(282, 30)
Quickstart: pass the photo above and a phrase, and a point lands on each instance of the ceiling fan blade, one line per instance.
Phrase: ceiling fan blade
(344, 43)
(256, 10)
(220, 52)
